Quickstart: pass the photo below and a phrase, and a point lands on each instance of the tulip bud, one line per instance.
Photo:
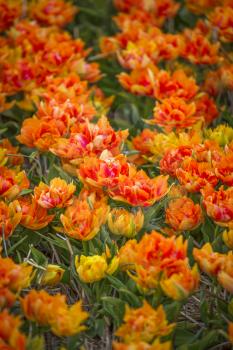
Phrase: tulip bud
(94, 268)
(52, 275)
(227, 237)
(124, 223)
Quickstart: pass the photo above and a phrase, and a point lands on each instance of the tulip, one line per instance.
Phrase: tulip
(52, 276)
(58, 194)
(124, 223)
(182, 214)
(94, 268)
(10, 217)
(10, 335)
(228, 238)
(34, 217)
(144, 324)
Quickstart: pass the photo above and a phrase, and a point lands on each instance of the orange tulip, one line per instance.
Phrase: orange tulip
(144, 324)
(156, 345)
(10, 151)
(52, 12)
(84, 218)
(172, 159)
(224, 168)
(7, 298)
(104, 171)
(194, 176)
(219, 204)
(58, 194)
(9, 12)
(221, 18)
(12, 182)
(14, 276)
(10, 336)
(53, 311)
(10, 217)
(198, 49)
(182, 214)
(200, 7)
(206, 108)
(209, 261)
(225, 275)
(174, 113)
(138, 189)
(34, 217)
(177, 84)
(230, 332)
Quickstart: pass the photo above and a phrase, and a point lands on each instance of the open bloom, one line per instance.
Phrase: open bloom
(138, 189)
(12, 182)
(14, 276)
(224, 168)
(219, 204)
(53, 311)
(58, 194)
(121, 222)
(103, 171)
(13, 157)
(172, 159)
(94, 268)
(182, 214)
(198, 49)
(88, 139)
(174, 113)
(52, 12)
(177, 84)
(144, 324)
(157, 260)
(156, 345)
(194, 175)
(10, 216)
(11, 337)
(84, 218)
(9, 12)
(206, 108)
(221, 18)
(34, 216)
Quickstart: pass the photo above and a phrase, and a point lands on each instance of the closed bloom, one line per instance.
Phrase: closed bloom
(12, 182)
(14, 276)
(94, 268)
(53, 311)
(225, 275)
(10, 217)
(174, 113)
(144, 324)
(219, 204)
(194, 175)
(83, 219)
(52, 275)
(57, 195)
(124, 223)
(10, 336)
(182, 214)
(228, 238)
(180, 284)
(34, 217)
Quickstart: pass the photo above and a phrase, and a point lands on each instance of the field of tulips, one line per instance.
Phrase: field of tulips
(116, 174)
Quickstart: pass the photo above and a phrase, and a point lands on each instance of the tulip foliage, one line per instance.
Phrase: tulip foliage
(116, 174)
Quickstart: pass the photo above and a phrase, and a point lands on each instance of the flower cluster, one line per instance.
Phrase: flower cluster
(158, 261)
